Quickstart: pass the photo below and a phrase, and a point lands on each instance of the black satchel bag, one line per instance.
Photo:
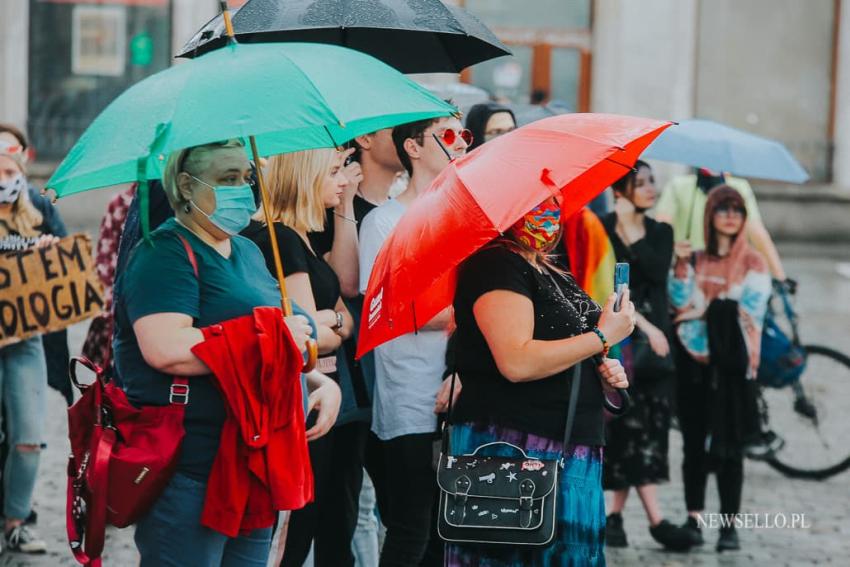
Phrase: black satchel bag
(500, 500)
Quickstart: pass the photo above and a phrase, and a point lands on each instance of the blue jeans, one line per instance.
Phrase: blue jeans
(171, 534)
(23, 384)
(365, 542)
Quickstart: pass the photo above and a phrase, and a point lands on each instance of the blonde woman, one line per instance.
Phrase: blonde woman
(161, 305)
(23, 373)
(302, 186)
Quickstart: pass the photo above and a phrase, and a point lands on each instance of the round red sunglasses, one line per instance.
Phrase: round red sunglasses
(450, 136)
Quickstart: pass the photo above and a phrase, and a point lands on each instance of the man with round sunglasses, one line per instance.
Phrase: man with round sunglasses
(408, 370)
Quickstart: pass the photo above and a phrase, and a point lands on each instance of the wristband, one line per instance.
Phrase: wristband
(605, 346)
(343, 217)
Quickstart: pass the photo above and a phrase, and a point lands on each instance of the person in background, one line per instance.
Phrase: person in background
(373, 170)
(56, 352)
(409, 369)
(636, 453)
(98, 344)
(302, 185)
(23, 370)
(488, 121)
(720, 298)
(682, 205)
(522, 326)
(161, 305)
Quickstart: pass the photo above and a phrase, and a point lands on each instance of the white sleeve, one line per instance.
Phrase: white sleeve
(372, 236)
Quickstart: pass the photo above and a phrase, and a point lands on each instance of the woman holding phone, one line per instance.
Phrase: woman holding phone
(522, 325)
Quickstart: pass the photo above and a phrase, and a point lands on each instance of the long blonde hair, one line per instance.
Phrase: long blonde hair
(295, 188)
(193, 161)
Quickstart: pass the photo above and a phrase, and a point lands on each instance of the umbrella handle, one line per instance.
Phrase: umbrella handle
(312, 356)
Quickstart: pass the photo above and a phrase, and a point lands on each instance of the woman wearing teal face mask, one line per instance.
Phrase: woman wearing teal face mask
(160, 308)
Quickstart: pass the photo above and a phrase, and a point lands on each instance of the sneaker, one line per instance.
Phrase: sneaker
(674, 538)
(32, 519)
(765, 447)
(728, 540)
(24, 539)
(691, 527)
(615, 535)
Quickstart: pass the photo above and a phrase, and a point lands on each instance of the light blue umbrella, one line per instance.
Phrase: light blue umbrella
(703, 143)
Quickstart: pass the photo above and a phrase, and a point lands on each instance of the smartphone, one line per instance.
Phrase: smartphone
(621, 282)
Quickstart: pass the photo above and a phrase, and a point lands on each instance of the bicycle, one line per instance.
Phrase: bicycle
(817, 376)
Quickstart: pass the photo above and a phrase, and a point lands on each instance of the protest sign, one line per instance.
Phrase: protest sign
(47, 289)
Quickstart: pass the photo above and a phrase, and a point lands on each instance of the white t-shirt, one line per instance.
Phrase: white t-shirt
(408, 369)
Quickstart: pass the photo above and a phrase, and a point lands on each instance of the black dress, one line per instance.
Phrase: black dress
(637, 443)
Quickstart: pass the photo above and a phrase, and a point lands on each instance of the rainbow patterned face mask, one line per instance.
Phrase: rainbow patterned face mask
(540, 228)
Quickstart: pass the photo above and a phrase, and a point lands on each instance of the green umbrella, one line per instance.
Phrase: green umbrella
(291, 97)
(282, 97)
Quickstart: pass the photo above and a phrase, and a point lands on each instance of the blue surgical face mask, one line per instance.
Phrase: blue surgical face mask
(234, 206)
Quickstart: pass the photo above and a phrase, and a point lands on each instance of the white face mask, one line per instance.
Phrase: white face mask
(11, 188)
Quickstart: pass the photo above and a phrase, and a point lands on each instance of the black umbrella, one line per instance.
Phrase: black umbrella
(414, 36)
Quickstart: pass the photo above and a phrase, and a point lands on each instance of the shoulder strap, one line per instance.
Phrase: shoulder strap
(571, 412)
(189, 252)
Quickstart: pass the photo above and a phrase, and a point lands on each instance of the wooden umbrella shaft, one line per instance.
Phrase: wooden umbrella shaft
(285, 303)
(225, 14)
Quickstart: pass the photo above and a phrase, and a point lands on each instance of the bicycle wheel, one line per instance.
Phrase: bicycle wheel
(817, 445)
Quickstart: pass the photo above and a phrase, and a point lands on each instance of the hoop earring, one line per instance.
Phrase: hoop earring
(187, 208)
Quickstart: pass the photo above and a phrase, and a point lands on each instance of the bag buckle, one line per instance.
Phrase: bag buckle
(526, 493)
(179, 394)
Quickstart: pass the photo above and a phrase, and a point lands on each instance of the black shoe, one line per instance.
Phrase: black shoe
(23, 539)
(728, 540)
(765, 447)
(691, 527)
(615, 535)
(32, 519)
(674, 538)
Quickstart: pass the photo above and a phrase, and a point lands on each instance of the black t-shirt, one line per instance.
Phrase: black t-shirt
(322, 242)
(540, 406)
(649, 259)
(297, 258)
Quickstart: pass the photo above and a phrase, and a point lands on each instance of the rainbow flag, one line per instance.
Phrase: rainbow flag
(590, 256)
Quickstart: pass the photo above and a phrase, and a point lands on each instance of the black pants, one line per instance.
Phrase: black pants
(693, 409)
(330, 520)
(406, 491)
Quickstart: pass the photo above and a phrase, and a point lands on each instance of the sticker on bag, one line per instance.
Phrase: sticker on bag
(532, 465)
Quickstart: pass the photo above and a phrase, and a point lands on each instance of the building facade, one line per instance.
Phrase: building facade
(779, 68)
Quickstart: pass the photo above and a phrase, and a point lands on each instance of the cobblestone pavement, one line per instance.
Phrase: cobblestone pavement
(824, 295)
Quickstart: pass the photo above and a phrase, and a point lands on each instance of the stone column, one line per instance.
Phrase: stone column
(644, 61)
(14, 62)
(644, 57)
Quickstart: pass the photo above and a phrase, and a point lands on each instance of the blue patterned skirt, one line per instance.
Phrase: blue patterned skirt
(579, 539)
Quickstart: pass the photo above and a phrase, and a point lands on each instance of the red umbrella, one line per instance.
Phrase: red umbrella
(479, 196)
